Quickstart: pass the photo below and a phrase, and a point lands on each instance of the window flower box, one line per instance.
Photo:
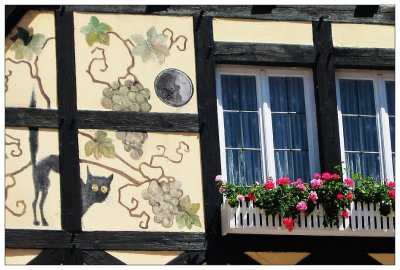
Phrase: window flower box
(364, 220)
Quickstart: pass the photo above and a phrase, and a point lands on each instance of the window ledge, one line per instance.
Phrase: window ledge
(363, 221)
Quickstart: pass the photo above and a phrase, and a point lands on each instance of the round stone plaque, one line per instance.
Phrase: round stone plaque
(173, 87)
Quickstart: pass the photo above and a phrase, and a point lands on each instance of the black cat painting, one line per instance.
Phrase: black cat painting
(95, 190)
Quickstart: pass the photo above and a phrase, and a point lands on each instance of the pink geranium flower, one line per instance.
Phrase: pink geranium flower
(218, 178)
(301, 187)
(240, 197)
(251, 196)
(313, 196)
(269, 184)
(326, 176)
(390, 184)
(301, 206)
(349, 196)
(317, 175)
(283, 181)
(335, 176)
(349, 182)
(289, 223)
(339, 196)
(345, 213)
(316, 183)
(391, 194)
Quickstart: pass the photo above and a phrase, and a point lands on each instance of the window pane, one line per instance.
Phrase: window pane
(353, 163)
(234, 166)
(351, 133)
(252, 166)
(369, 134)
(282, 164)
(390, 96)
(366, 101)
(295, 94)
(348, 96)
(298, 131)
(278, 94)
(251, 138)
(366, 164)
(281, 131)
(301, 167)
(247, 92)
(393, 163)
(230, 92)
(233, 130)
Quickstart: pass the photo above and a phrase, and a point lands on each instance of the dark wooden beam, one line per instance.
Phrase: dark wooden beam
(209, 137)
(366, 10)
(15, 238)
(189, 258)
(140, 240)
(326, 258)
(68, 134)
(13, 15)
(325, 96)
(72, 256)
(364, 58)
(133, 121)
(97, 257)
(333, 13)
(236, 256)
(264, 54)
(29, 117)
(47, 257)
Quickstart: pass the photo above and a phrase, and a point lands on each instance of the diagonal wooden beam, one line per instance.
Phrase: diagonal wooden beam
(189, 258)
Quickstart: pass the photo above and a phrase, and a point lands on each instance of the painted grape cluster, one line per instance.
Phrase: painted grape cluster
(133, 142)
(130, 96)
(164, 199)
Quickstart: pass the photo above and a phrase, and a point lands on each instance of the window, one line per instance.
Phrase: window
(267, 123)
(366, 122)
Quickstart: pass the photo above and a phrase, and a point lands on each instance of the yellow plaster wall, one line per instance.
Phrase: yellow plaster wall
(15, 256)
(235, 30)
(111, 215)
(21, 83)
(144, 257)
(277, 258)
(23, 190)
(118, 58)
(363, 35)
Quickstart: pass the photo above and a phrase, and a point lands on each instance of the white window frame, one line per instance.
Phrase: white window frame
(378, 77)
(265, 117)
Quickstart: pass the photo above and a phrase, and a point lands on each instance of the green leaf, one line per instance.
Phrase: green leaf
(181, 218)
(100, 136)
(86, 29)
(189, 223)
(194, 207)
(104, 28)
(97, 153)
(152, 34)
(138, 39)
(108, 150)
(37, 43)
(185, 202)
(89, 147)
(195, 220)
(94, 21)
(91, 38)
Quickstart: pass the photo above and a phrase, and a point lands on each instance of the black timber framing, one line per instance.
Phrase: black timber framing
(189, 258)
(97, 257)
(333, 13)
(130, 121)
(209, 138)
(101, 240)
(68, 133)
(48, 257)
(264, 54)
(325, 96)
(364, 58)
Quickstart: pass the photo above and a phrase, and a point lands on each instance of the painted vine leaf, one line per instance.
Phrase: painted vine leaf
(187, 214)
(102, 146)
(96, 31)
(154, 47)
(26, 44)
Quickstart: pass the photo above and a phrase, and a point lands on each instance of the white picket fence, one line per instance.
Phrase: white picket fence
(364, 220)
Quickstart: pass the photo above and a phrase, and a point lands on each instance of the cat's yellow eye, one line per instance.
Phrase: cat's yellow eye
(104, 189)
(95, 187)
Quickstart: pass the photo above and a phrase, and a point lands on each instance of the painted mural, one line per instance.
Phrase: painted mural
(146, 181)
(134, 63)
(29, 54)
(32, 181)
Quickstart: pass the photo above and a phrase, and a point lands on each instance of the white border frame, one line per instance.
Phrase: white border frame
(378, 77)
(265, 118)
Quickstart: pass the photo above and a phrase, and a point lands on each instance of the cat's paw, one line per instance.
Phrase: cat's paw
(36, 223)
(44, 223)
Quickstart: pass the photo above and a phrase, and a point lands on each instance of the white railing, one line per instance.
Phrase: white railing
(364, 220)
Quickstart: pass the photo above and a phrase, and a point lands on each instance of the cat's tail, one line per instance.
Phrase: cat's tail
(33, 134)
